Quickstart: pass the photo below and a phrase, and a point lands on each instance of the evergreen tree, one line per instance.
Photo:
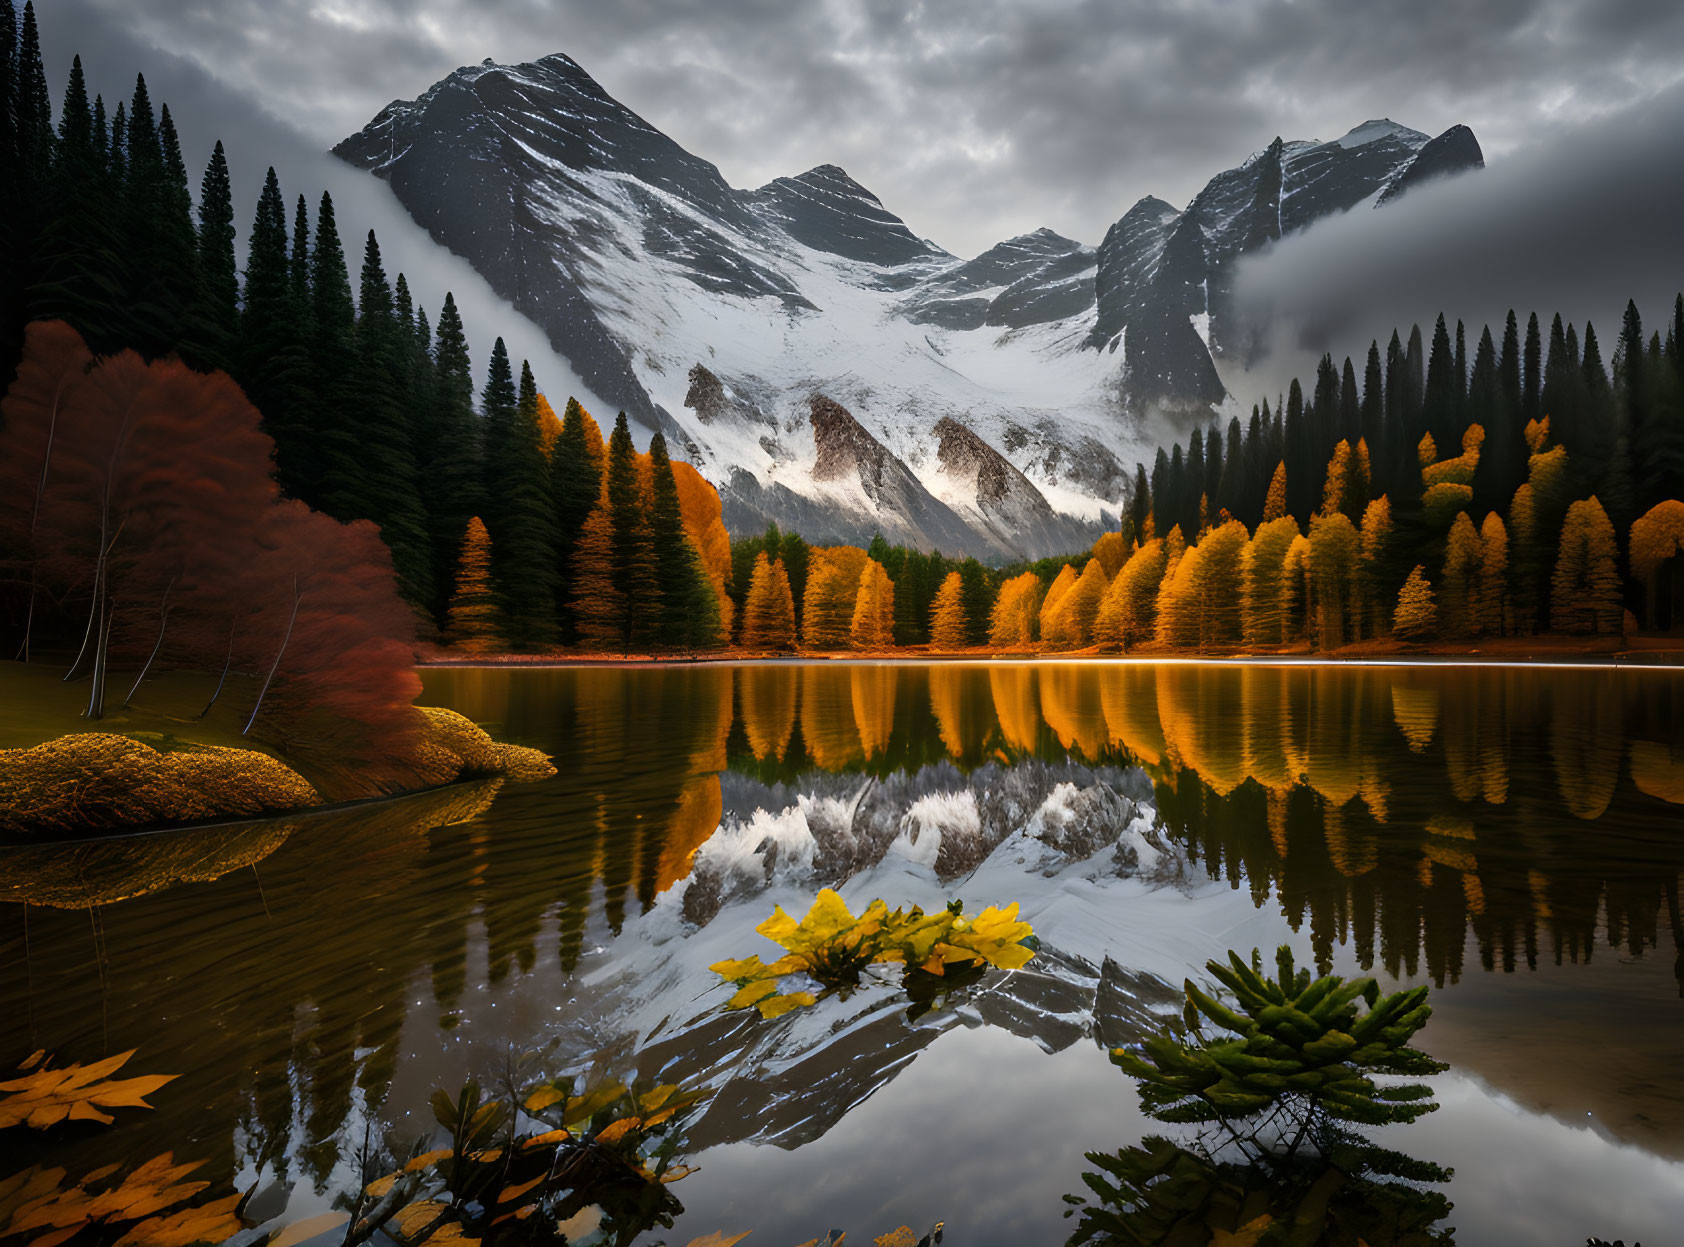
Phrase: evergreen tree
(523, 536)
(1508, 366)
(1441, 407)
(1601, 420)
(633, 553)
(977, 594)
(948, 626)
(1373, 399)
(1325, 407)
(473, 621)
(1416, 616)
(78, 262)
(1140, 502)
(369, 467)
(1302, 467)
(1163, 511)
(1503, 454)
(683, 585)
(1193, 490)
(769, 608)
(298, 264)
(447, 442)
(1350, 404)
(1531, 373)
(217, 315)
(274, 368)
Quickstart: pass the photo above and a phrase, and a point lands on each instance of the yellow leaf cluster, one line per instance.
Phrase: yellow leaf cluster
(36, 1205)
(46, 1095)
(833, 946)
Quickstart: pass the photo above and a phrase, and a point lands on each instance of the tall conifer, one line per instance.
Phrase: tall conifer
(528, 568)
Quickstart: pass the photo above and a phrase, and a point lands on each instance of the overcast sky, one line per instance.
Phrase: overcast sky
(973, 119)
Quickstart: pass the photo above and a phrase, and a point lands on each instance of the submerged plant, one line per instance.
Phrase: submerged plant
(833, 947)
(1293, 1038)
(1291, 1062)
(607, 1147)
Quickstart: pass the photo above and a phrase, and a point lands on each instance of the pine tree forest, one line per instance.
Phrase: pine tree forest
(1528, 490)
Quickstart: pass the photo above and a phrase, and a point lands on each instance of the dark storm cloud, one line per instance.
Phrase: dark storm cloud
(1578, 227)
(973, 119)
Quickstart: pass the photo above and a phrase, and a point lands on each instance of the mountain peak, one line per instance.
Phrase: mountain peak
(1379, 128)
(829, 211)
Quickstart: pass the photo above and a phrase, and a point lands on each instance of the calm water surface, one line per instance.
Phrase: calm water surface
(1515, 838)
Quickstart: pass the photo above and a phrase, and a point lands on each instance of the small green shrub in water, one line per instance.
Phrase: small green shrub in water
(1289, 1063)
(1291, 1037)
(833, 947)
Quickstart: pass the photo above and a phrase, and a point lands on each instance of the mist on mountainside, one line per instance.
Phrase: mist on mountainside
(1578, 224)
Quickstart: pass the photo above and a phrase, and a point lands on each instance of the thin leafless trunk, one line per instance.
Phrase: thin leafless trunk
(287, 636)
(163, 623)
(226, 666)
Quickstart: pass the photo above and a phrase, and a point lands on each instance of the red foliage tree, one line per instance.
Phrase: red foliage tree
(136, 501)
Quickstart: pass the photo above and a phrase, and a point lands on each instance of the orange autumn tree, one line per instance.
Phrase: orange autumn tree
(827, 605)
(947, 615)
(1657, 536)
(1017, 611)
(769, 608)
(873, 625)
(472, 623)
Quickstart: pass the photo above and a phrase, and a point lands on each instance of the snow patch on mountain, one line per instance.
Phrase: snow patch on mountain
(642, 264)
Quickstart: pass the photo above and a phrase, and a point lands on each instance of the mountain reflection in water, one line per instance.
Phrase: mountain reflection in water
(309, 973)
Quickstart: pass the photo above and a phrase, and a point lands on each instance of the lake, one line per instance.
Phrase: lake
(1513, 837)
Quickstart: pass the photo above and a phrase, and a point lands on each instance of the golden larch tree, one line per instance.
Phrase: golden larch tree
(1261, 573)
(1585, 589)
(1062, 584)
(1070, 624)
(1297, 616)
(1376, 548)
(1112, 552)
(1128, 612)
(874, 609)
(473, 623)
(1656, 536)
(827, 604)
(1336, 572)
(769, 608)
(1492, 597)
(1274, 505)
(947, 614)
(1016, 616)
(599, 605)
(1458, 590)
(1416, 616)
(1337, 482)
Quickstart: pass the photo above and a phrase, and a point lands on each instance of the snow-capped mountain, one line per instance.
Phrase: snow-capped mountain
(820, 363)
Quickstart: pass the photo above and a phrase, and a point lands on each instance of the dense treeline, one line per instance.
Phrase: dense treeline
(1351, 515)
(1524, 487)
(371, 406)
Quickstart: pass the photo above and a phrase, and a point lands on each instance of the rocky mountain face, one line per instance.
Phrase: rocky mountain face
(991, 405)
